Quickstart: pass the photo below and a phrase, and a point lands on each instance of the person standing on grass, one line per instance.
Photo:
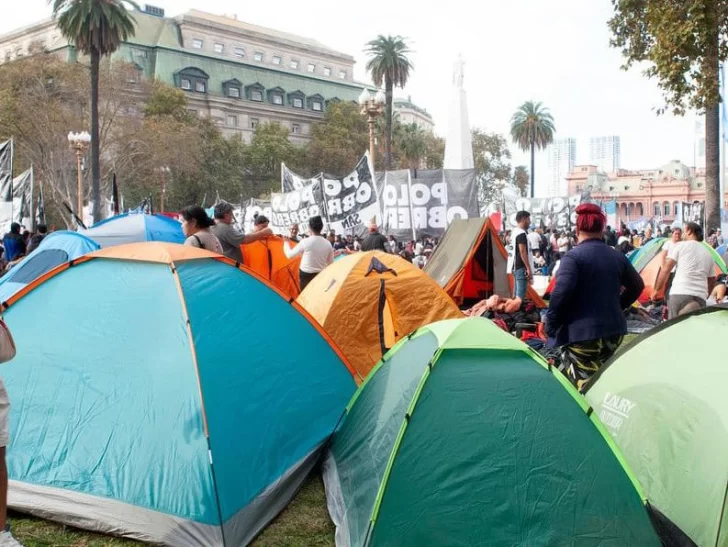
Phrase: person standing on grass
(520, 255)
(316, 250)
(595, 283)
(694, 273)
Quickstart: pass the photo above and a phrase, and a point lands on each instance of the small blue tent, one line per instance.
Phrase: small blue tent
(55, 249)
(135, 228)
(177, 399)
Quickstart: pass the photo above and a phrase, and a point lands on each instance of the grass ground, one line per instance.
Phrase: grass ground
(304, 523)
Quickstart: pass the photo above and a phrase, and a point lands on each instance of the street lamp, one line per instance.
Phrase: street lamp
(163, 171)
(80, 143)
(372, 106)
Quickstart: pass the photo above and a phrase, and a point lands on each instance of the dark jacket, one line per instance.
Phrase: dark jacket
(594, 284)
(374, 241)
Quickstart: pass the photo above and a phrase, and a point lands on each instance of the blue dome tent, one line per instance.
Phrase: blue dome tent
(55, 249)
(135, 228)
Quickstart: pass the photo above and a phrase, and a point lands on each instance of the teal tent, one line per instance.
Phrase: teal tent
(462, 435)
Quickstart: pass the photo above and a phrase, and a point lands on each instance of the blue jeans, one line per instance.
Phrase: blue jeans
(519, 283)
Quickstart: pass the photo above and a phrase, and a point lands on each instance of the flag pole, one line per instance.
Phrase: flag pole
(12, 176)
(32, 198)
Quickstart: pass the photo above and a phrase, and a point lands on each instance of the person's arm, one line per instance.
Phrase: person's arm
(663, 276)
(330, 257)
(297, 250)
(633, 285)
(566, 281)
(711, 284)
(252, 237)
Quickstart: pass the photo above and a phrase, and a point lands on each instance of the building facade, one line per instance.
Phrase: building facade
(642, 194)
(605, 153)
(410, 113)
(562, 159)
(240, 75)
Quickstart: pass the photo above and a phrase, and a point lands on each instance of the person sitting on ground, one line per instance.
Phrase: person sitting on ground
(594, 285)
(196, 226)
(230, 237)
(496, 304)
(36, 238)
(14, 243)
(316, 250)
(538, 260)
(694, 272)
(374, 241)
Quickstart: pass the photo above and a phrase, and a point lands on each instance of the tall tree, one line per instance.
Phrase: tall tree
(411, 141)
(388, 63)
(520, 179)
(97, 28)
(532, 126)
(269, 147)
(337, 141)
(684, 42)
(435, 151)
(492, 165)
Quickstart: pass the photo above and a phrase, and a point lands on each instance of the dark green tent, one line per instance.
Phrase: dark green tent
(664, 402)
(463, 436)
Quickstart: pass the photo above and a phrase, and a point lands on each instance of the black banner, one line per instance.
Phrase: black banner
(549, 213)
(693, 212)
(6, 171)
(297, 206)
(351, 201)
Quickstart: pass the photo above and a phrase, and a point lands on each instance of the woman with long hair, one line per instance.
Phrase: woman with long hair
(196, 226)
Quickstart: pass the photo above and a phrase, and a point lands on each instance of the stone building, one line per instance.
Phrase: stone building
(241, 75)
(410, 113)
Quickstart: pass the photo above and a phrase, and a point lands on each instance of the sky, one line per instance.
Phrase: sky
(556, 52)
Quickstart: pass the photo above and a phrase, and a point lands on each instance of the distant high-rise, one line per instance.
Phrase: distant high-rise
(562, 158)
(604, 152)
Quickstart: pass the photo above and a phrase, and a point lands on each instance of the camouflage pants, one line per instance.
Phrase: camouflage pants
(580, 361)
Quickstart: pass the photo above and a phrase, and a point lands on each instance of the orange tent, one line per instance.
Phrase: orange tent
(470, 263)
(367, 302)
(266, 258)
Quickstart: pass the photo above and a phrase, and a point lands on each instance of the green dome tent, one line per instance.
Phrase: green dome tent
(462, 435)
(664, 402)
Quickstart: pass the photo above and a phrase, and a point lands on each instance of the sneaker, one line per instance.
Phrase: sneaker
(7, 540)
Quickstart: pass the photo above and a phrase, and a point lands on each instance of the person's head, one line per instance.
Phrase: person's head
(391, 237)
(331, 237)
(15, 228)
(316, 224)
(609, 228)
(523, 219)
(676, 235)
(42, 229)
(373, 228)
(538, 253)
(590, 221)
(648, 232)
(693, 231)
(194, 219)
(224, 212)
(260, 223)
(294, 230)
(26, 235)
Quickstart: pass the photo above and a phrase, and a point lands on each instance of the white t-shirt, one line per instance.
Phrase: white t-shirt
(669, 246)
(563, 244)
(694, 266)
(317, 253)
(534, 241)
(623, 239)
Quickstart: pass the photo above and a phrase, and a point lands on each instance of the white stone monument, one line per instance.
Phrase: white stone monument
(458, 142)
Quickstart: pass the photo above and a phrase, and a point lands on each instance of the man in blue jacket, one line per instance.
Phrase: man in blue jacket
(594, 285)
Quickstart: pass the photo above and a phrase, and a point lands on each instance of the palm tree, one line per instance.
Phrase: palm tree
(97, 28)
(532, 126)
(388, 63)
(411, 142)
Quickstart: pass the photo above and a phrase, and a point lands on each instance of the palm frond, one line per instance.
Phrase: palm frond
(532, 125)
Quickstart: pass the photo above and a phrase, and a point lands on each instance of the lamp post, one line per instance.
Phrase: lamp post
(80, 143)
(163, 172)
(372, 107)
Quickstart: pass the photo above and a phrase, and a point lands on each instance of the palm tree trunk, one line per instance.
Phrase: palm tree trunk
(533, 169)
(95, 148)
(713, 198)
(389, 91)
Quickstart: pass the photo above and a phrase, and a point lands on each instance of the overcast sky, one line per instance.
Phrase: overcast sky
(552, 51)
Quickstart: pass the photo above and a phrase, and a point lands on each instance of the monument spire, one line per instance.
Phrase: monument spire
(458, 142)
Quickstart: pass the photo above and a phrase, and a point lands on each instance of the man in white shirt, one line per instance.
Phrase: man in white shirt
(694, 273)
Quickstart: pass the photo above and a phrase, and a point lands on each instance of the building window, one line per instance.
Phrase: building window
(234, 92)
(667, 209)
(317, 106)
(294, 64)
(277, 99)
(342, 74)
(254, 123)
(297, 102)
(197, 43)
(239, 52)
(327, 71)
(295, 129)
(232, 121)
(218, 48)
(258, 56)
(700, 185)
(200, 86)
(311, 67)
(256, 95)
(675, 207)
(141, 53)
(276, 60)
(657, 208)
(186, 84)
